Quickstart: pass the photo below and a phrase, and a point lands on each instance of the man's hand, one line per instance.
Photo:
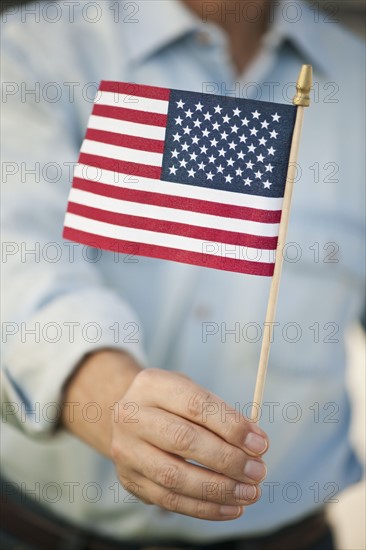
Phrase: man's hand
(165, 419)
(153, 423)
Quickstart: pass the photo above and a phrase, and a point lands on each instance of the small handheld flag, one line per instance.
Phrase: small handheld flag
(190, 177)
(182, 176)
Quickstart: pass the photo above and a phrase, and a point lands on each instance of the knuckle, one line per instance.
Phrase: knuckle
(168, 476)
(202, 509)
(183, 437)
(196, 403)
(146, 377)
(227, 458)
(233, 428)
(171, 501)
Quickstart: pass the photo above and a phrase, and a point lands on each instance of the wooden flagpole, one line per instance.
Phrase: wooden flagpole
(302, 99)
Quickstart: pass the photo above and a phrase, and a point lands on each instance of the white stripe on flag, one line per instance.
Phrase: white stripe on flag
(136, 103)
(173, 215)
(164, 239)
(108, 177)
(125, 127)
(121, 153)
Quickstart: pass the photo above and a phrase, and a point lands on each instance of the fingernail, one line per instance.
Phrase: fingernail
(255, 470)
(255, 443)
(245, 492)
(232, 511)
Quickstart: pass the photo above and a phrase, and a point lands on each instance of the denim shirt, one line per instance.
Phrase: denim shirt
(63, 300)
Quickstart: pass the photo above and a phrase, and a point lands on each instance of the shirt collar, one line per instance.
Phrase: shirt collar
(162, 22)
(295, 23)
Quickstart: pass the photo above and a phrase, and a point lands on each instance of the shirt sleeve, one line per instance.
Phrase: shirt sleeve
(56, 308)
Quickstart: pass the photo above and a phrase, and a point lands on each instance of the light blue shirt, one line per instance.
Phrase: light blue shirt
(171, 315)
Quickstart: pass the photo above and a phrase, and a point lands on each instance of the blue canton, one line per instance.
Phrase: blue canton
(226, 143)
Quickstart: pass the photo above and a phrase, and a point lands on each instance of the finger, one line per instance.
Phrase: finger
(191, 480)
(152, 493)
(183, 397)
(180, 437)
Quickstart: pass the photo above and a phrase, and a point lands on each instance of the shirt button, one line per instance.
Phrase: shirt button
(202, 312)
(203, 38)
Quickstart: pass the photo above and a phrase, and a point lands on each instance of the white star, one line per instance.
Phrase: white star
(177, 137)
(185, 146)
(241, 155)
(265, 124)
(258, 174)
(224, 135)
(222, 152)
(232, 145)
(271, 151)
(236, 112)
(269, 168)
(256, 114)
(228, 178)
(205, 132)
(202, 166)
(253, 131)
(218, 109)
(195, 140)
(267, 184)
(172, 170)
(276, 117)
(239, 171)
(180, 104)
(274, 134)
(179, 121)
(214, 142)
(203, 149)
(193, 156)
(187, 130)
(262, 141)
(212, 159)
(220, 169)
(191, 173)
(230, 162)
(197, 123)
(189, 113)
(250, 165)
(216, 126)
(199, 106)
(183, 163)
(175, 154)
(207, 116)
(209, 176)
(245, 121)
(260, 158)
(251, 148)
(247, 181)
(226, 118)
(234, 129)
(243, 139)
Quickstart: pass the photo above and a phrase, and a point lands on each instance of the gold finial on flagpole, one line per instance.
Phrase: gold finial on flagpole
(303, 87)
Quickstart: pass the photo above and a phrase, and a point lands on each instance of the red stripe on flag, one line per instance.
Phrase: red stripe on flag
(173, 228)
(120, 113)
(180, 203)
(122, 140)
(140, 90)
(165, 253)
(121, 166)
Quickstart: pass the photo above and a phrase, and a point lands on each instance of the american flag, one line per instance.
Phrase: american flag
(184, 176)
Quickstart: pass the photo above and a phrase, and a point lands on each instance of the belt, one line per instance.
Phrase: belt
(45, 532)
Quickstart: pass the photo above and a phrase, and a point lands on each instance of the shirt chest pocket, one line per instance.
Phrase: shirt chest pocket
(322, 291)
